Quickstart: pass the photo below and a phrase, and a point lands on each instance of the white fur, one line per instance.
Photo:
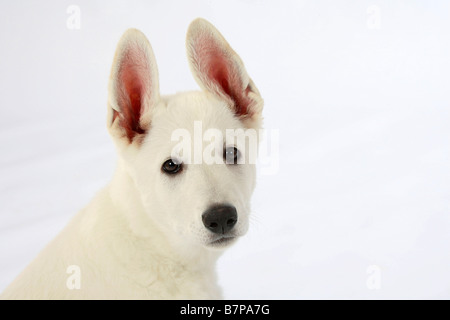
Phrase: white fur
(142, 236)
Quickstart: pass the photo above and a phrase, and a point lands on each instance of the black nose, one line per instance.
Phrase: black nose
(220, 219)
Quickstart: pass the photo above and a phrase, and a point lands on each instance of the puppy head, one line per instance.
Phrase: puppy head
(191, 156)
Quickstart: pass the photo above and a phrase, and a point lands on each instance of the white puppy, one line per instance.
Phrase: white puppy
(157, 229)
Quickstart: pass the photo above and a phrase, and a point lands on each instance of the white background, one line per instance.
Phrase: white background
(359, 94)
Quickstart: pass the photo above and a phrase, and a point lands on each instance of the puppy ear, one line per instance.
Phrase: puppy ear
(133, 87)
(218, 69)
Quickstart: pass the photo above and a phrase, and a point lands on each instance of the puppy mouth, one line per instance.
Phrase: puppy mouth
(222, 241)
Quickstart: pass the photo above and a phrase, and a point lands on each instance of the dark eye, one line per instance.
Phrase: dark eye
(171, 167)
(231, 155)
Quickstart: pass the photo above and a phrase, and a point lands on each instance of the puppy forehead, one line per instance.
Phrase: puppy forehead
(190, 110)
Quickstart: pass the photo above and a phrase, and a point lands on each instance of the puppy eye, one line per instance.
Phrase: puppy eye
(171, 167)
(231, 155)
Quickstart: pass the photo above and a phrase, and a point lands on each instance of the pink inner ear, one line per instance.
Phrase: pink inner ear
(131, 79)
(222, 71)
